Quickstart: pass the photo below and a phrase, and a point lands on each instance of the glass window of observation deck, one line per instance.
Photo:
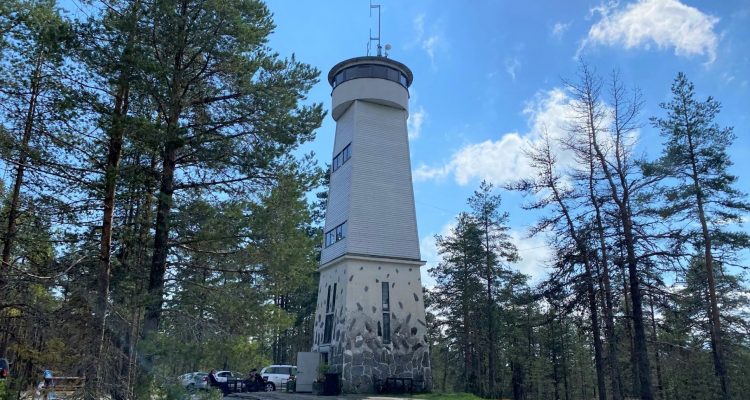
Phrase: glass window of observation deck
(370, 71)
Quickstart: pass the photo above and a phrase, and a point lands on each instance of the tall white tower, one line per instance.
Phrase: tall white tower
(370, 319)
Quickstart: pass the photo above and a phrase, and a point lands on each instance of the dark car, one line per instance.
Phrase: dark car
(4, 368)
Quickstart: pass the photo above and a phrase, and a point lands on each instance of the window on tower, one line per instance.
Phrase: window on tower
(370, 71)
(330, 310)
(343, 156)
(328, 331)
(336, 234)
(386, 296)
(386, 312)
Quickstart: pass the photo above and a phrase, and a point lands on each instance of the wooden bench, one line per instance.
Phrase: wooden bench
(62, 386)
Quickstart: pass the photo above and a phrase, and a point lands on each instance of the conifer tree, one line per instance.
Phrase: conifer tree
(498, 252)
(458, 280)
(695, 156)
(29, 99)
(228, 108)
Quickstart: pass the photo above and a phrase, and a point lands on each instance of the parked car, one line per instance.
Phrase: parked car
(4, 368)
(223, 376)
(194, 380)
(279, 375)
(229, 376)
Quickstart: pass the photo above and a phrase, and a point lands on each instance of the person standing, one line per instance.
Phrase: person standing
(48, 382)
(214, 382)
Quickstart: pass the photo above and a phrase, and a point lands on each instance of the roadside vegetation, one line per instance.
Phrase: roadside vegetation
(158, 217)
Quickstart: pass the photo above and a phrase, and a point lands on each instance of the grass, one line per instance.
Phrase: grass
(446, 396)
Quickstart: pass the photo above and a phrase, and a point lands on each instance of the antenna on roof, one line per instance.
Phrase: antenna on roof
(375, 38)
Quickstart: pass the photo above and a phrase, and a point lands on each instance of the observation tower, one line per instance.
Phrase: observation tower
(370, 319)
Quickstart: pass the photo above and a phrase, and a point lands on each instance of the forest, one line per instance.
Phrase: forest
(159, 217)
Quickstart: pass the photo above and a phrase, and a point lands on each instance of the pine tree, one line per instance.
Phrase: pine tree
(695, 156)
(611, 148)
(570, 227)
(29, 99)
(228, 107)
(458, 280)
(498, 252)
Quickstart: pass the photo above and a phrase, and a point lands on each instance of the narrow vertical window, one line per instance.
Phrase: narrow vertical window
(328, 331)
(328, 300)
(330, 307)
(386, 312)
(333, 303)
(339, 232)
(386, 296)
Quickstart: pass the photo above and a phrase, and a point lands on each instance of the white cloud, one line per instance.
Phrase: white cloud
(429, 253)
(497, 161)
(430, 42)
(416, 119)
(502, 160)
(559, 29)
(663, 23)
(511, 65)
(427, 173)
(536, 256)
(419, 24)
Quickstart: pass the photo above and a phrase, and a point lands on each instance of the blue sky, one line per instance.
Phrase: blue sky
(488, 75)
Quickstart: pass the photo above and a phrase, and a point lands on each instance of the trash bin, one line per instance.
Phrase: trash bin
(332, 385)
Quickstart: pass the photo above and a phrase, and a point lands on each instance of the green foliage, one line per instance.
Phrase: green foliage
(700, 195)
(211, 125)
(241, 254)
(475, 260)
(695, 158)
(4, 392)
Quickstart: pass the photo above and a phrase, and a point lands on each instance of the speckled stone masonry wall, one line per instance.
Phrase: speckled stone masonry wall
(357, 350)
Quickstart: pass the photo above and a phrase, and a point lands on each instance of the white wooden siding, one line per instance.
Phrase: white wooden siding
(373, 191)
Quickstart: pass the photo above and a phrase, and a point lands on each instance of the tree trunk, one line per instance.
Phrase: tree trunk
(490, 316)
(555, 366)
(623, 206)
(564, 359)
(445, 366)
(161, 245)
(609, 325)
(582, 248)
(594, 315)
(659, 383)
(15, 199)
(110, 187)
(466, 333)
(135, 378)
(639, 331)
(517, 379)
(718, 346)
(629, 327)
(158, 269)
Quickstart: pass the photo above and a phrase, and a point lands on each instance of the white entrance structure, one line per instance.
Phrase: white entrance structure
(370, 319)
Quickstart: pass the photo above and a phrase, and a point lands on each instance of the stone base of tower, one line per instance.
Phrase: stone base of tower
(365, 358)
(359, 347)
